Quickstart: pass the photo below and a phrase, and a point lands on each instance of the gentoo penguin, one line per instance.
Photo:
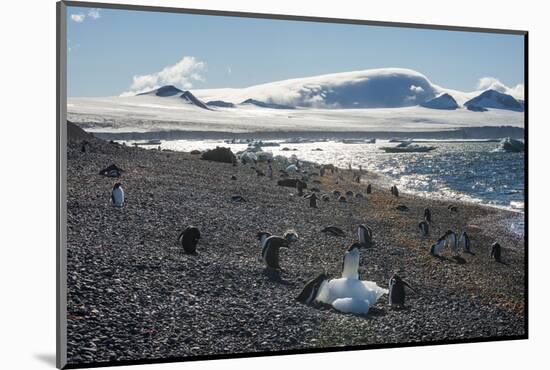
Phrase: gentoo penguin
(428, 215)
(437, 248)
(117, 195)
(189, 239)
(350, 263)
(312, 200)
(311, 289)
(424, 228)
(397, 291)
(464, 242)
(496, 251)
(452, 241)
(364, 234)
(333, 230)
(291, 235)
(369, 189)
(270, 251)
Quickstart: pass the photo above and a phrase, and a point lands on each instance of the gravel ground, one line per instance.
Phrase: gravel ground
(133, 294)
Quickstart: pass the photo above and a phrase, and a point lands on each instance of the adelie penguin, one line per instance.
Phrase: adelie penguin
(496, 251)
(424, 228)
(189, 239)
(117, 195)
(397, 291)
(364, 234)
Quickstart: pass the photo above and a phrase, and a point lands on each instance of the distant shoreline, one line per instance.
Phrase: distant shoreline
(482, 132)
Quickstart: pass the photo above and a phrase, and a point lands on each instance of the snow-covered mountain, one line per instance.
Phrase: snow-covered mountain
(443, 101)
(170, 91)
(494, 99)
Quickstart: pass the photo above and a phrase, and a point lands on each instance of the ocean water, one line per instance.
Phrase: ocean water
(464, 171)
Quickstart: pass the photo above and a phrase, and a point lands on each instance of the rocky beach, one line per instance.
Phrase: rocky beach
(134, 295)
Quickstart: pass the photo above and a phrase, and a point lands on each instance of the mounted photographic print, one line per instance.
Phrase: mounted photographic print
(236, 185)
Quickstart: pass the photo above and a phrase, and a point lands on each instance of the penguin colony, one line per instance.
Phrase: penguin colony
(322, 289)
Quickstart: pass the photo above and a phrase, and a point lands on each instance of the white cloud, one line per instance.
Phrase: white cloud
(486, 83)
(78, 17)
(94, 14)
(182, 74)
(416, 89)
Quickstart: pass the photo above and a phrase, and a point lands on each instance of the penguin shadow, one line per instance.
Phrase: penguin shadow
(276, 276)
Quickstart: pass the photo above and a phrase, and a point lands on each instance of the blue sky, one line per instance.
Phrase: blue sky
(107, 48)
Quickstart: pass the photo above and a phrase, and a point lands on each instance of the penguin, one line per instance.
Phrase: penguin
(464, 242)
(424, 228)
(364, 234)
(270, 251)
(350, 263)
(349, 193)
(336, 193)
(394, 191)
(437, 248)
(496, 251)
(402, 208)
(333, 230)
(428, 215)
(189, 239)
(311, 289)
(313, 198)
(300, 187)
(237, 199)
(452, 208)
(233, 177)
(117, 195)
(397, 291)
(369, 189)
(359, 195)
(452, 241)
(342, 199)
(291, 235)
(325, 198)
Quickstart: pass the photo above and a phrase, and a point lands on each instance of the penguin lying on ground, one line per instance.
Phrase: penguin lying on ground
(189, 239)
(397, 291)
(333, 230)
(311, 289)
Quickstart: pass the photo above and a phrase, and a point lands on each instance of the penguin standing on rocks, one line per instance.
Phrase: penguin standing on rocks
(189, 239)
(311, 289)
(464, 242)
(452, 241)
(437, 248)
(300, 187)
(397, 291)
(364, 234)
(394, 191)
(424, 228)
(117, 195)
(369, 189)
(313, 198)
(270, 251)
(427, 215)
(496, 251)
